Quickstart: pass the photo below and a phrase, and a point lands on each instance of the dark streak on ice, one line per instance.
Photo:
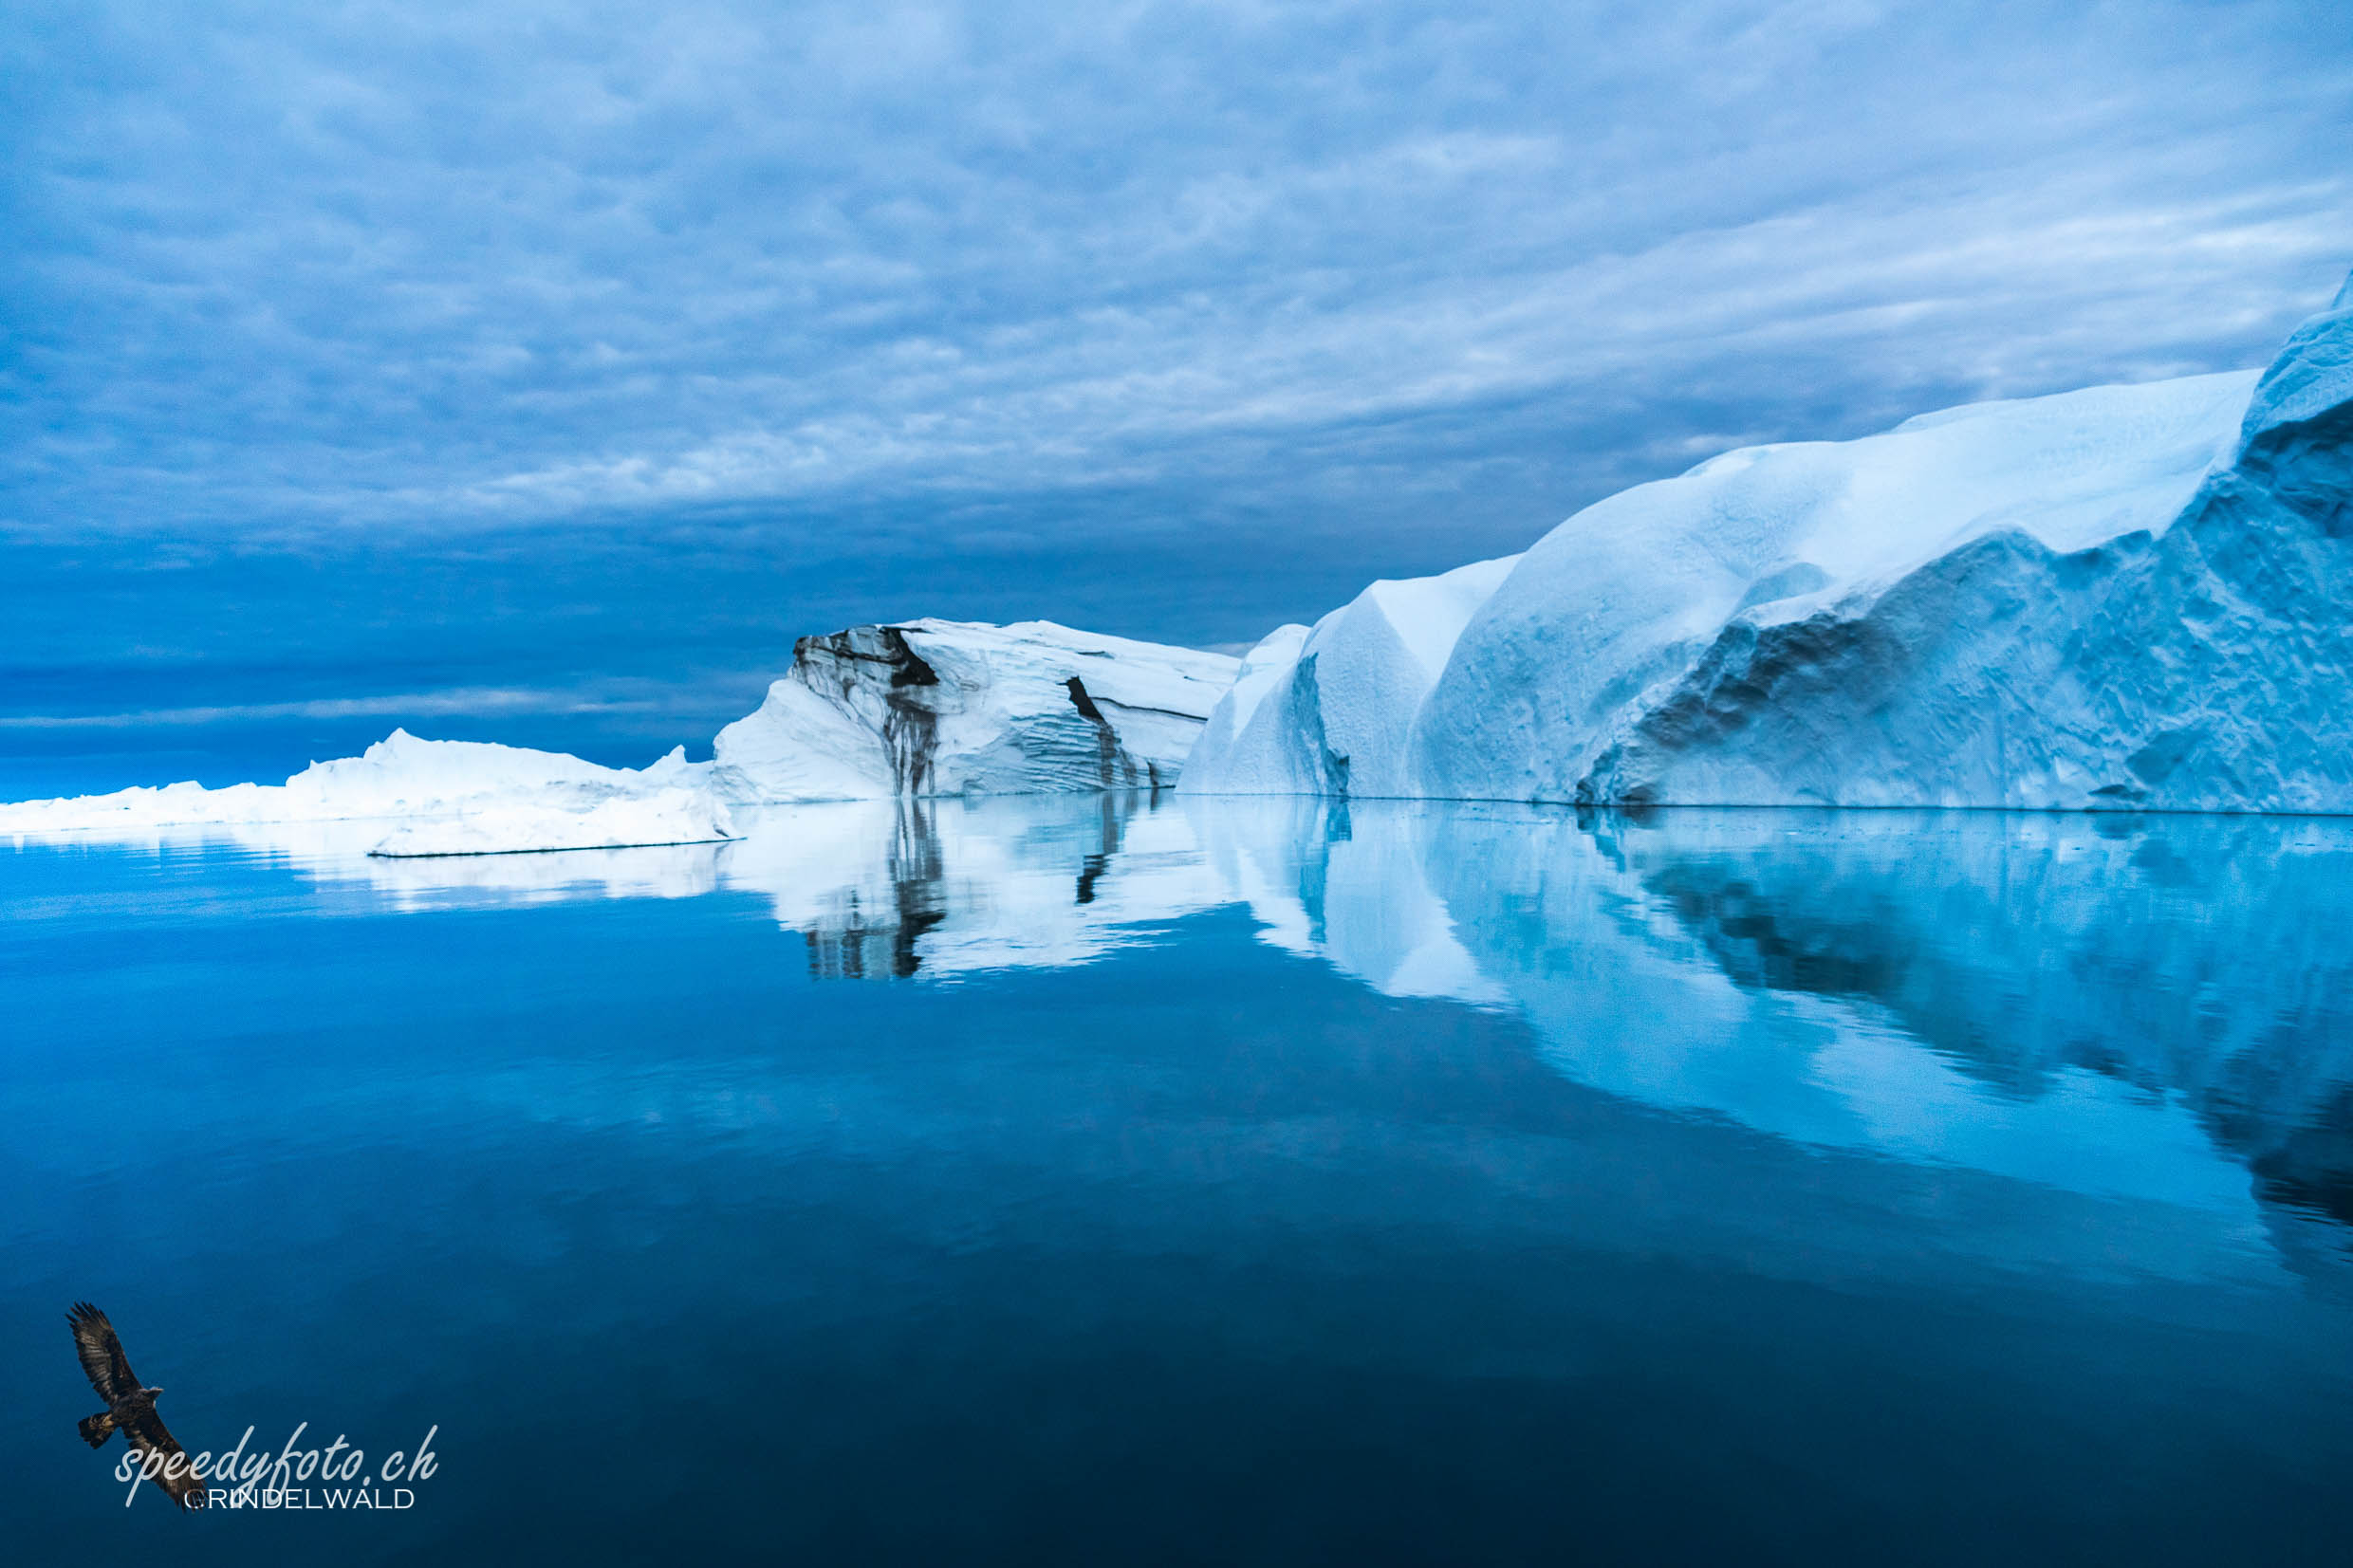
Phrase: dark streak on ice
(1106, 740)
(910, 724)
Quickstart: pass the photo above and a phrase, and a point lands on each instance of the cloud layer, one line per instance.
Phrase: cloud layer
(407, 264)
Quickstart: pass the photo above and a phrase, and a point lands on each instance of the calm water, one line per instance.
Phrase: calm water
(1084, 1181)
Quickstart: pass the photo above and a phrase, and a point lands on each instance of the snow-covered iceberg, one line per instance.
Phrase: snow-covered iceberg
(445, 796)
(2122, 596)
(951, 708)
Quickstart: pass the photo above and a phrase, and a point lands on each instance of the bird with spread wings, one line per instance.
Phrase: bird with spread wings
(130, 1408)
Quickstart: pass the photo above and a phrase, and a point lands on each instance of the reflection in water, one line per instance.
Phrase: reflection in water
(2156, 1007)
(1432, 1182)
(869, 925)
(860, 935)
(883, 889)
(2197, 960)
(2098, 1004)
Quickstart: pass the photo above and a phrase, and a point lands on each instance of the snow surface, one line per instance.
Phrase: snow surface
(949, 707)
(2122, 596)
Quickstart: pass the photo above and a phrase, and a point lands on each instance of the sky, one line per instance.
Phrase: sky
(538, 372)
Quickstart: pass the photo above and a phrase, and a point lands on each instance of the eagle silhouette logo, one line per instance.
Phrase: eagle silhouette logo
(130, 1407)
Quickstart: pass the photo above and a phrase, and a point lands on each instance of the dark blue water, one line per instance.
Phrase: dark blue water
(1081, 1181)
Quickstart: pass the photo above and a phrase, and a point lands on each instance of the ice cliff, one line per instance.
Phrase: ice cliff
(949, 708)
(2122, 596)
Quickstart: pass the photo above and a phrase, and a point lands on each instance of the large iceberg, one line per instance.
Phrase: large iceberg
(2122, 596)
(962, 707)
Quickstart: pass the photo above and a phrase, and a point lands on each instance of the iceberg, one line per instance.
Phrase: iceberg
(2121, 598)
(963, 707)
(875, 712)
(452, 797)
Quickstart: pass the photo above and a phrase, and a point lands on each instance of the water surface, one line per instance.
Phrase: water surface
(1086, 1180)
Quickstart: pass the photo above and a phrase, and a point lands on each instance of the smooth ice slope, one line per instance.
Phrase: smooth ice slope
(948, 708)
(2124, 597)
(459, 797)
(1331, 712)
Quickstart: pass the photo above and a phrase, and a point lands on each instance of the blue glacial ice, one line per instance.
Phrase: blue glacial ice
(2125, 596)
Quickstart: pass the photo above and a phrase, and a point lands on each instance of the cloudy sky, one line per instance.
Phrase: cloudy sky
(538, 372)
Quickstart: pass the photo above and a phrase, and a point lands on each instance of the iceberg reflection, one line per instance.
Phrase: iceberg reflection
(2150, 1008)
(2154, 1007)
(882, 889)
